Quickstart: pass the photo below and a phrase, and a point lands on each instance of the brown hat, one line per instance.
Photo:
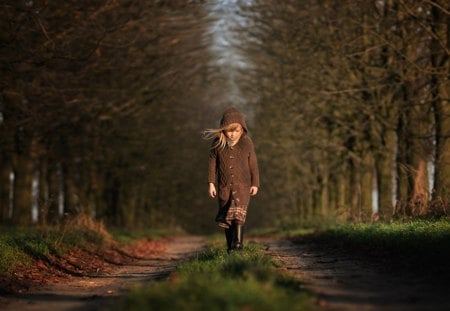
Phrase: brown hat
(233, 115)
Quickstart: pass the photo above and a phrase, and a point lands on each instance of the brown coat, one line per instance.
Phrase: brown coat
(235, 169)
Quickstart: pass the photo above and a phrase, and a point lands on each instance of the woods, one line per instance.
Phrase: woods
(102, 104)
(359, 128)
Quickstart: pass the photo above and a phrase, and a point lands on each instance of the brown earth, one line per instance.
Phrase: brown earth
(85, 280)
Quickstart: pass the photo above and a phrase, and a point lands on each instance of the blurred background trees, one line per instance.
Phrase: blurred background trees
(364, 127)
(102, 104)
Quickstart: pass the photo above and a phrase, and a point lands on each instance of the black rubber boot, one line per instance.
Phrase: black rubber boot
(239, 238)
(234, 237)
(229, 237)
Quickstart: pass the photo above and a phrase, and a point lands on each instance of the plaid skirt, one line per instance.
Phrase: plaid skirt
(231, 212)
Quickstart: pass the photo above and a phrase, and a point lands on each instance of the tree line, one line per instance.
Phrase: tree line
(92, 109)
(354, 108)
(102, 104)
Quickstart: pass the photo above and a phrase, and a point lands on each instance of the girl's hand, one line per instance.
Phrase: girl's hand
(212, 190)
(253, 190)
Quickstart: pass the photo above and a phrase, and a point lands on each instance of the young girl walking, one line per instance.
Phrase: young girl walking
(233, 174)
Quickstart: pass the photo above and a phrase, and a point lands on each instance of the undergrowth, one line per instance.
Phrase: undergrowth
(216, 280)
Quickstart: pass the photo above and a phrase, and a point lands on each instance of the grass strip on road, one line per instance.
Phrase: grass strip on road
(215, 280)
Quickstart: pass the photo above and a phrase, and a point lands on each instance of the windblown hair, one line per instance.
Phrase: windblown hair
(218, 135)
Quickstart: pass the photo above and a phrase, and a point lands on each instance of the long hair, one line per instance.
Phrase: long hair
(218, 135)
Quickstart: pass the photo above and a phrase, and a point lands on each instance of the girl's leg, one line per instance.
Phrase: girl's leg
(236, 216)
(229, 237)
(237, 230)
(239, 235)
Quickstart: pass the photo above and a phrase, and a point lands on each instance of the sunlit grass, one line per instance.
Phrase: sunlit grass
(19, 246)
(10, 255)
(216, 280)
(418, 234)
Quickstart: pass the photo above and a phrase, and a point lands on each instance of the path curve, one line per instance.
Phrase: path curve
(343, 282)
(92, 293)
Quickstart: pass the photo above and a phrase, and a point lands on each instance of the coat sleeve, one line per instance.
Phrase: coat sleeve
(253, 165)
(212, 166)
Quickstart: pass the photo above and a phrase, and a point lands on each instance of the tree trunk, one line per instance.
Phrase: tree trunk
(23, 178)
(100, 204)
(23, 167)
(342, 200)
(404, 188)
(440, 87)
(130, 200)
(112, 195)
(53, 192)
(5, 188)
(332, 196)
(367, 170)
(72, 204)
(385, 170)
(324, 198)
(87, 187)
(354, 191)
(44, 199)
(418, 155)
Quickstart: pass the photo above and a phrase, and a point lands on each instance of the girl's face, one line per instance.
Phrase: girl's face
(233, 132)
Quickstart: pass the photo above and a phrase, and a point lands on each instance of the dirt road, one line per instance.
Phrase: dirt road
(344, 282)
(340, 281)
(91, 293)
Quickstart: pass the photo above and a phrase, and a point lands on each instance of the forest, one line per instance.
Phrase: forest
(103, 104)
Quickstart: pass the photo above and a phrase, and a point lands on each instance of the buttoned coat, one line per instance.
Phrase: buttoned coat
(234, 170)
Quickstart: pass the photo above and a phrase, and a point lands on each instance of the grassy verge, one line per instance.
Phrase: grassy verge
(402, 243)
(218, 281)
(20, 246)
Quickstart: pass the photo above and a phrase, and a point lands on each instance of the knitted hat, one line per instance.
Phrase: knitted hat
(233, 115)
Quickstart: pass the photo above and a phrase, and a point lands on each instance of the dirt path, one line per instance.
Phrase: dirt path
(92, 293)
(343, 282)
(340, 281)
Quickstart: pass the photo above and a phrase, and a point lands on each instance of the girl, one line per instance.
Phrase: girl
(234, 169)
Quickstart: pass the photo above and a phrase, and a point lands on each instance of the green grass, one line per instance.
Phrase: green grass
(19, 246)
(11, 255)
(216, 280)
(408, 243)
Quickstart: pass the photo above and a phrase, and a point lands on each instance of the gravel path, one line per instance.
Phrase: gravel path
(92, 293)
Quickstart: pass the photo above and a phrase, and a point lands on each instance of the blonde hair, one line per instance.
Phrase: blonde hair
(219, 135)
